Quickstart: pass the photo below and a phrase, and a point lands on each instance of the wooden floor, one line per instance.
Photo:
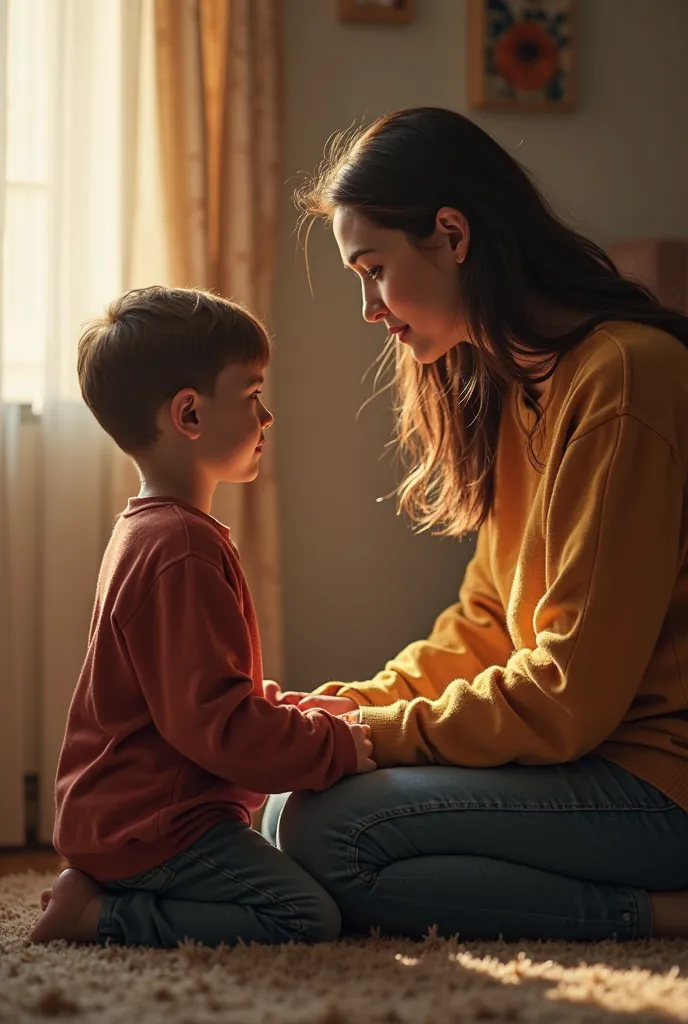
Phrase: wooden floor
(13, 860)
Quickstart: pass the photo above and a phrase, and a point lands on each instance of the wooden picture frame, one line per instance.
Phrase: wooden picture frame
(377, 12)
(523, 55)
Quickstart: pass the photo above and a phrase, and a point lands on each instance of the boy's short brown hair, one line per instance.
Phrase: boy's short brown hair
(151, 343)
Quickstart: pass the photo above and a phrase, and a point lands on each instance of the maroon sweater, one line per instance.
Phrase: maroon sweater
(168, 731)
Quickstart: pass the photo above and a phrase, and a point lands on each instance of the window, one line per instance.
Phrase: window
(28, 174)
(65, 162)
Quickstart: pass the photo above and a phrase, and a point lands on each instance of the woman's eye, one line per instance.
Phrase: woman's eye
(373, 273)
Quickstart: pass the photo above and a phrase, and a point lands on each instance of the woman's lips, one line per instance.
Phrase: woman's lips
(401, 331)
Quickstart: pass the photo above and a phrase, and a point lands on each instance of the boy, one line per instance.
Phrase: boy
(172, 739)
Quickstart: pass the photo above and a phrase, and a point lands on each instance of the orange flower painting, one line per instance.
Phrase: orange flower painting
(523, 54)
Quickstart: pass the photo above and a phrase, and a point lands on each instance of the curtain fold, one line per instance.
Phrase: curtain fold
(218, 87)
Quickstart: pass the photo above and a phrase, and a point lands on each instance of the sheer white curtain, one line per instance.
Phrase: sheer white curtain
(69, 153)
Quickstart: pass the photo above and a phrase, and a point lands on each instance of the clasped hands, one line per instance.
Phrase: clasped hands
(341, 707)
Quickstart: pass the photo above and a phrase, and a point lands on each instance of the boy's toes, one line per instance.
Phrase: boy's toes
(45, 898)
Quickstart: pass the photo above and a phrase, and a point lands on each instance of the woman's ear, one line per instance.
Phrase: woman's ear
(184, 413)
(453, 225)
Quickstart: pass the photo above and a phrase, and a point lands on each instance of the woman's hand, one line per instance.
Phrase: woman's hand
(335, 705)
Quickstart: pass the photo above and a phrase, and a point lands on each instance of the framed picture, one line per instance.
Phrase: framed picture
(377, 12)
(523, 55)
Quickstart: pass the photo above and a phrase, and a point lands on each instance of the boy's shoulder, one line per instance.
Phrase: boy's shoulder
(153, 533)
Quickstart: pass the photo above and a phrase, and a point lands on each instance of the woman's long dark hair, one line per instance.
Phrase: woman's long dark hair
(398, 173)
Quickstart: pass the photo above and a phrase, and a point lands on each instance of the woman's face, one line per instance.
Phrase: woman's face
(414, 291)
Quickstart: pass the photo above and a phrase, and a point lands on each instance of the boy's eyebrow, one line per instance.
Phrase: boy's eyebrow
(357, 254)
(256, 379)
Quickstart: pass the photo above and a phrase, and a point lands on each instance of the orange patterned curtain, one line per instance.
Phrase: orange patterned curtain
(218, 87)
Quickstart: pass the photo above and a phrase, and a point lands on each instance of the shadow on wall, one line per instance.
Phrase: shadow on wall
(659, 263)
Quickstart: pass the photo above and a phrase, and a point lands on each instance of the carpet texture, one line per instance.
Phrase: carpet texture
(374, 980)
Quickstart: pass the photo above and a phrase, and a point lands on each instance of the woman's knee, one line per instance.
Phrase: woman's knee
(304, 831)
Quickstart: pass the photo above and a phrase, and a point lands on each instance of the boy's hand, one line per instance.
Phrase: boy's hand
(335, 705)
(272, 690)
(349, 710)
(273, 694)
(364, 748)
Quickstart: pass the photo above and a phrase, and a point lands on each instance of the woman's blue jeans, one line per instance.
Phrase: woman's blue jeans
(558, 852)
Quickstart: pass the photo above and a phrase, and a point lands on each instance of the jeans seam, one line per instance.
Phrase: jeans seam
(539, 808)
(271, 897)
(407, 811)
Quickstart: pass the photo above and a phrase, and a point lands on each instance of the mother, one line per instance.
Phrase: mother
(534, 749)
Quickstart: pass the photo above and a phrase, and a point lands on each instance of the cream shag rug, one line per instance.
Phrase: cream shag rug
(373, 980)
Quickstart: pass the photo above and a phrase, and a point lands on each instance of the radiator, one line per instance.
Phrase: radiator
(58, 488)
(23, 448)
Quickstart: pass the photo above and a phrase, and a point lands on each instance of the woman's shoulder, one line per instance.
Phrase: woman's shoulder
(630, 346)
(628, 369)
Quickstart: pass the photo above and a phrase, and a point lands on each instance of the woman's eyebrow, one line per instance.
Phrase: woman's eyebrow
(357, 254)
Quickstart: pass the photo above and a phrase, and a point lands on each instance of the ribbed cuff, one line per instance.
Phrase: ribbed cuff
(390, 745)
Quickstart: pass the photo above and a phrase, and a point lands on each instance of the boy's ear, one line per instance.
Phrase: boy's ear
(184, 413)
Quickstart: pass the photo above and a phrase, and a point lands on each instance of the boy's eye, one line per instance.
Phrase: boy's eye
(373, 273)
(256, 395)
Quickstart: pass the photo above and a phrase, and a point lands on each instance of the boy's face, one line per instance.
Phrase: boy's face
(232, 424)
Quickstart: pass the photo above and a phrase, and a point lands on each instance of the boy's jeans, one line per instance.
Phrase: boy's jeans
(229, 885)
(555, 852)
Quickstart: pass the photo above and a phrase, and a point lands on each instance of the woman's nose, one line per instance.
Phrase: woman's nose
(374, 308)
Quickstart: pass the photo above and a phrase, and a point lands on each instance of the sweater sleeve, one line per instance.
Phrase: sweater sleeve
(466, 638)
(612, 542)
(190, 648)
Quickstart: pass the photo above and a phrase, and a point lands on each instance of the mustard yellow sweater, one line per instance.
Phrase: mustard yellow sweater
(571, 631)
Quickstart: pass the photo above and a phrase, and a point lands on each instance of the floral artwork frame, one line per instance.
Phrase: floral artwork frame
(377, 12)
(523, 55)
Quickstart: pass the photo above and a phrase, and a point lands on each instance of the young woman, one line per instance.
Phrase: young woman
(535, 747)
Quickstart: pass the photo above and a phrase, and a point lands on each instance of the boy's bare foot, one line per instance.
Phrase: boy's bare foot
(71, 911)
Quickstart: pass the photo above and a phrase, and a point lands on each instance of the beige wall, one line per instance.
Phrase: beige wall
(358, 584)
